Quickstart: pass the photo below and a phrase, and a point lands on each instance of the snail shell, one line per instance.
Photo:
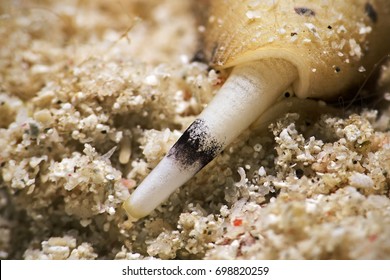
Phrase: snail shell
(319, 48)
(331, 42)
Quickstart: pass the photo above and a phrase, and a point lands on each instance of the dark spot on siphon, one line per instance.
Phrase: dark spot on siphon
(337, 69)
(370, 12)
(196, 147)
(303, 11)
(287, 94)
(293, 34)
(329, 27)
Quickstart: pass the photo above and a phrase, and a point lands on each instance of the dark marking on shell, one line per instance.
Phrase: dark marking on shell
(371, 12)
(303, 11)
(196, 147)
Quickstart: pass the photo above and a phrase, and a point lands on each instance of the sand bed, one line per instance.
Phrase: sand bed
(94, 93)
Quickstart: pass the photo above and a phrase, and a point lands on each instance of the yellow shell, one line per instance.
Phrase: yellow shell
(332, 43)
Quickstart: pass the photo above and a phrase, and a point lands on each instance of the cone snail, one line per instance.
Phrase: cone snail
(320, 48)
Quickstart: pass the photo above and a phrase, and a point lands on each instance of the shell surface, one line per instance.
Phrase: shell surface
(330, 42)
